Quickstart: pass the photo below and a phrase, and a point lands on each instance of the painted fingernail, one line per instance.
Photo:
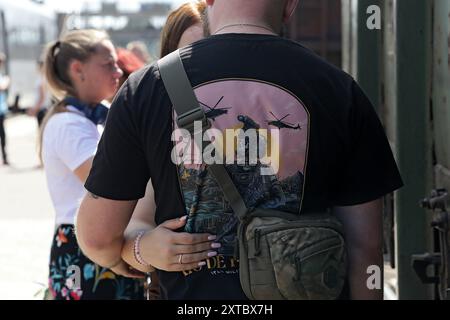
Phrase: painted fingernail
(211, 238)
(201, 264)
(216, 245)
(212, 254)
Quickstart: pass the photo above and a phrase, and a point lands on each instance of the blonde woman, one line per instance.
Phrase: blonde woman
(183, 26)
(81, 70)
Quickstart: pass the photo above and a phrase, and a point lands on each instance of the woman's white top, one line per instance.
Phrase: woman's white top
(69, 140)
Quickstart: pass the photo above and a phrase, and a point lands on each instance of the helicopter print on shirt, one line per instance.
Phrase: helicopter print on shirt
(215, 112)
(275, 114)
(283, 125)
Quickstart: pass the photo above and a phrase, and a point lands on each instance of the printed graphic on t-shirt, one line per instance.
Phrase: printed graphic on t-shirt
(281, 122)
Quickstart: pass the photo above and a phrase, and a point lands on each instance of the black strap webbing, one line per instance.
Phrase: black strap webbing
(177, 83)
(229, 189)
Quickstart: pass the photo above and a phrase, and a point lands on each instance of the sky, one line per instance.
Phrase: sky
(74, 5)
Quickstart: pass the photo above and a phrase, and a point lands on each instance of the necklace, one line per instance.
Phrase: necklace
(244, 25)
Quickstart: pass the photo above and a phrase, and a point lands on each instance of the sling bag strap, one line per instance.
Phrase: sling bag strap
(180, 92)
(189, 110)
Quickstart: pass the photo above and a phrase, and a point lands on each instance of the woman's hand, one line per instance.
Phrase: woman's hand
(168, 250)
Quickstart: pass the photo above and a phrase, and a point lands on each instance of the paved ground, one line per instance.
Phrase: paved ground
(26, 218)
(26, 215)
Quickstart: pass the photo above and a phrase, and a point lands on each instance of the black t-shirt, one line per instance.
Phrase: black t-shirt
(332, 146)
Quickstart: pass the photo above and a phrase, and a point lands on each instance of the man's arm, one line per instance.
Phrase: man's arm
(100, 227)
(363, 227)
(101, 232)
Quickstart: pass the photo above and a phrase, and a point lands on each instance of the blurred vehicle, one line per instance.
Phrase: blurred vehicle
(25, 27)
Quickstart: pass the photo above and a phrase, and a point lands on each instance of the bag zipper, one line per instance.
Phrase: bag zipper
(259, 232)
(303, 223)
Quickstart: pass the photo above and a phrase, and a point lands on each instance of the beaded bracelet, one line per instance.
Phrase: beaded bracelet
(137, 254)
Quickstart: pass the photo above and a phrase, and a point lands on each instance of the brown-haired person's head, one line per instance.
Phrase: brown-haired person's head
(184, 26)
(83, 64)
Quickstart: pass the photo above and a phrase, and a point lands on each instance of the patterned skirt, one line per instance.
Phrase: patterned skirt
(74, 277)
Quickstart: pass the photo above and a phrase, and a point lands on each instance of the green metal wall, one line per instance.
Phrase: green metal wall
(389, 78)
(361, 47)
(396, 66)
(413, 138)
(441, 93)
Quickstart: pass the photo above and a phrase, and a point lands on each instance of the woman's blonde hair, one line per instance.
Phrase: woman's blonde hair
(75, 45)
(178, 22)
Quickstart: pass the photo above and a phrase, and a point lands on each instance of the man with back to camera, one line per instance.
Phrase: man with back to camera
(333, 154)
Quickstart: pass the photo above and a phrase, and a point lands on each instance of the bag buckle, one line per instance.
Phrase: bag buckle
(186, 120)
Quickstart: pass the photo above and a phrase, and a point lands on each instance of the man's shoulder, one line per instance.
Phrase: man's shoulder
(311, 67)
(310, 58)
(276, 53)
(142, 98)
(143, 77)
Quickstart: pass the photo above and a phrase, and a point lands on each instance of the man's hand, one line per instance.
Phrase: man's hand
(168, 250)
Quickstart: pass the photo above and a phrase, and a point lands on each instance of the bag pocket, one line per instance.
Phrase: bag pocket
(294, 260)
(309, 263)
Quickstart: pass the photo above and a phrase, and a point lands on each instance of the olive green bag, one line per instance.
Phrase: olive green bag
(286, 256)
(281, 255)
(302, 258)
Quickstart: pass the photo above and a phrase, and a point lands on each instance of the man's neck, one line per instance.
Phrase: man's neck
(245, 27)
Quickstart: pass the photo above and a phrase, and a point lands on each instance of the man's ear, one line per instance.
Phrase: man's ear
(289, 10)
